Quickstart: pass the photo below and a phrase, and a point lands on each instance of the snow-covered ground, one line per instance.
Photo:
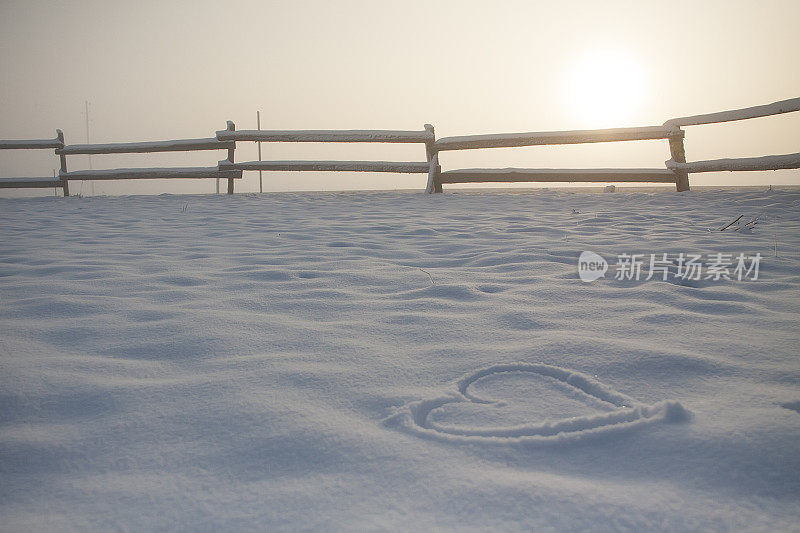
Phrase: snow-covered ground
(367, 361)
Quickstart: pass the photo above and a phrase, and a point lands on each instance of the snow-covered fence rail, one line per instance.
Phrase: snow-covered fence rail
(35, 144)
(330, 136)
(511, 175)
(506, 140)
(767, 162)
(775, 108)
(182, 145)
(426, 136)
(154, 173)
(401, 167)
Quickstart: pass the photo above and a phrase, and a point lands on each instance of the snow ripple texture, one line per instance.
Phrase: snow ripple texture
(373, 361)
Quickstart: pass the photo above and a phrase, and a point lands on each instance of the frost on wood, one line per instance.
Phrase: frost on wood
(407, 167)
(179, 145)
(377, 136)
(503, 140)
(30, 144)
(775, 108)
(767, 162)
(29, 183)
(151, 173)
(511, 175)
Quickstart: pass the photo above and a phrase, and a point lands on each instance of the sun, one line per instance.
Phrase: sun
(605, 88)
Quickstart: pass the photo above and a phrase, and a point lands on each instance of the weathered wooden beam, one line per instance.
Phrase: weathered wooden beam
(678, 153)
(63, 164)
(508, 140)
(432, 157)
(775, 108)
(29, 183)
(180, 145)
(151, 173)
(231, 154)
(32, 144)
(401, 167)
(744, 164)
(334, 136)
(434, 175)
(511, 175)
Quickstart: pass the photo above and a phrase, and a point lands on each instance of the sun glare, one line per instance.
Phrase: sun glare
(605, 88)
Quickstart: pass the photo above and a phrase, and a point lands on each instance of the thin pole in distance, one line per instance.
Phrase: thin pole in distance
(86, 106)
(260, 180)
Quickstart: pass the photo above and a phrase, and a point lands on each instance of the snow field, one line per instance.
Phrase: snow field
(341, 361)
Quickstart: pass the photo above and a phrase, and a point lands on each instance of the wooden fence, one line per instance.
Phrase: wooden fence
(426, 136)
(38, 144)
(677, 168)
(180, 145)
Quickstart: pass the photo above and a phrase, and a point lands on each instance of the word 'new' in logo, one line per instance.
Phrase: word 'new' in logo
(591, 266)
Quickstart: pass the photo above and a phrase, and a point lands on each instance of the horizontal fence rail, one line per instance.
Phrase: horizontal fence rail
(328, 136)
(767, 162)
(511, 175)
(399, 167)
(30, 183)
(31, 144)
(507, 140)
(152, 173)
(181, 145)
(775, 108)
(676, 170)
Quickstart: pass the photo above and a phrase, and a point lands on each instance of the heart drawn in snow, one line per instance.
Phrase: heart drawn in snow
(615, 411)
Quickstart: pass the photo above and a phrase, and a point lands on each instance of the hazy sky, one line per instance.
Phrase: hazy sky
(155, 70)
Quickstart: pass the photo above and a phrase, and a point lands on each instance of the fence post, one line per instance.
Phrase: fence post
(231, 127)
(434, 169)
(63, 159)
(678, 154)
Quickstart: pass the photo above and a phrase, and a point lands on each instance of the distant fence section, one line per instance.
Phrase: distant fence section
(677, 168)
(678, 162)
(517, 175)
(180, 145)
(37, 144)
(65, 176)
(426, 137)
